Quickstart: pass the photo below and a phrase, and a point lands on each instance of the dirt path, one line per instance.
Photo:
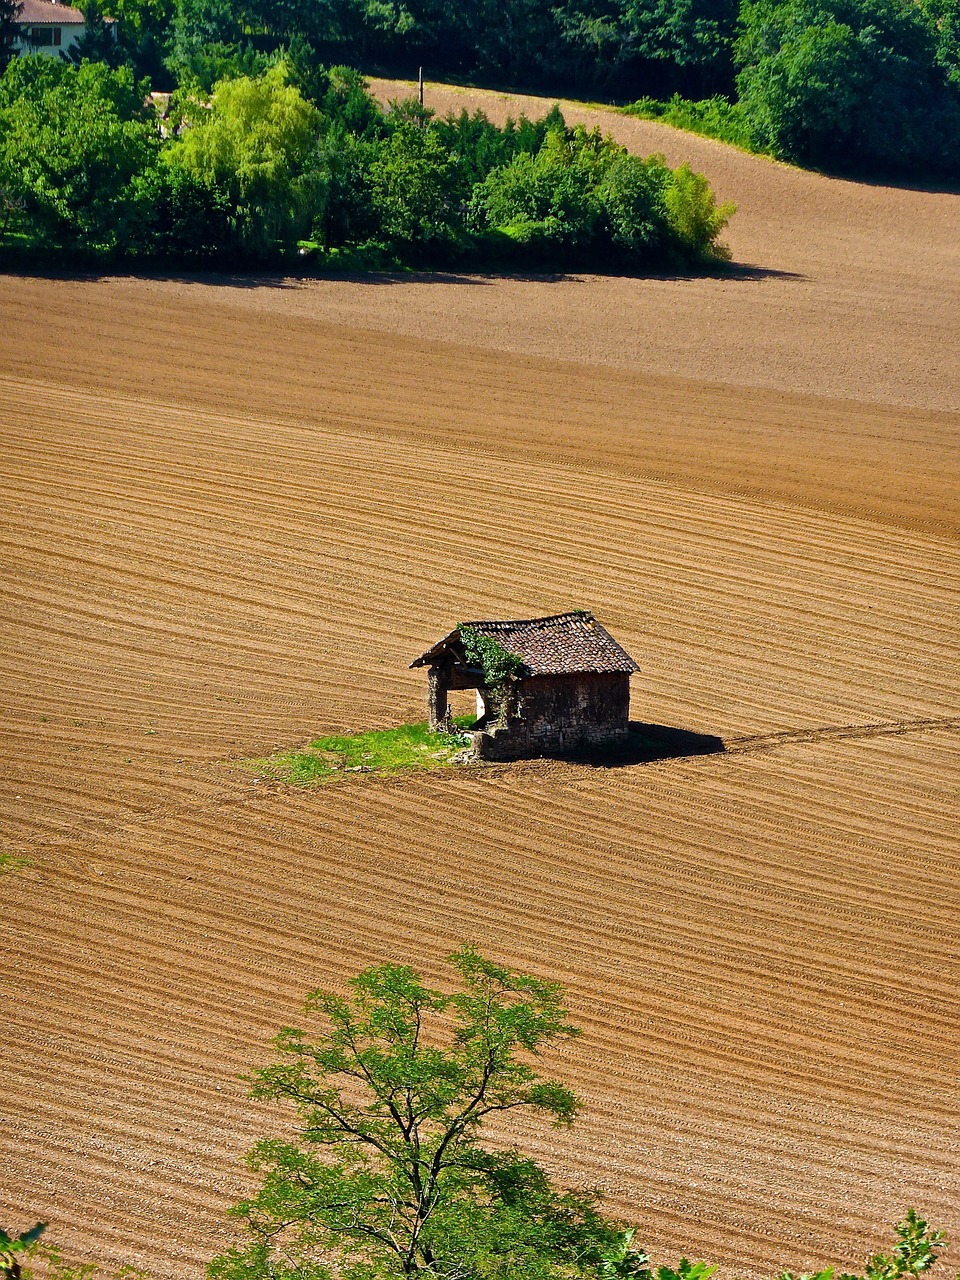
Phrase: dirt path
(852, 290)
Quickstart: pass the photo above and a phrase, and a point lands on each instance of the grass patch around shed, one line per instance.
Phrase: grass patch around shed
(408, 746)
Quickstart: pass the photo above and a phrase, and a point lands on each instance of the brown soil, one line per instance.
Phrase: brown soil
(232, 515)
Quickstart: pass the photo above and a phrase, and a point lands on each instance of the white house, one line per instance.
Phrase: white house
(46, 26)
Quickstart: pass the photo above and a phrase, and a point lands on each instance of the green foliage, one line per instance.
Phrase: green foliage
(200, 67)
(256, 146)
(13, 1249)
(860, 85)
(673, 41)
(943, 21)
(389, 1174)
(712, 118)
(142, 33)
(409, 746)
(10, 862)
(74, 142)
(693, 215)
(916, 1250)
(498, 664)
(633, 196)
(297, 159)
(583, 200)
(849, 84)
(17, 1252)
(207, 44)
(411, 181)
(689, 33)
(97, 42)
(869, 84)
(549, 195)
(189, 221)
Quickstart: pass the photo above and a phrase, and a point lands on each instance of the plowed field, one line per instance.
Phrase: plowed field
(233, 513)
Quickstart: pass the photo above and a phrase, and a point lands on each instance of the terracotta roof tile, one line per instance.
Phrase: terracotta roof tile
(46, 11)
(564, 644)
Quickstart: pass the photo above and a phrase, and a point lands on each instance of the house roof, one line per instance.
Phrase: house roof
(36, 12)
(564, 644)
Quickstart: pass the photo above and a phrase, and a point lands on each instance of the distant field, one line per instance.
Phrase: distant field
(231, 515)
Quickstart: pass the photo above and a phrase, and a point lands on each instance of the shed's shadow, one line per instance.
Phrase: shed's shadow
(650, 742)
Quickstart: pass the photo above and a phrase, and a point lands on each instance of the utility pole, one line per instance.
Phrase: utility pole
(420, 86)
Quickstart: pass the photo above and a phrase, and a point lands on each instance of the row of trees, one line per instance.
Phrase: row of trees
(868, 84)
(302, 157)
(390, 1174)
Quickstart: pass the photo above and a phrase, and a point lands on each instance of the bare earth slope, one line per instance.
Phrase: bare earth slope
(855, 289)
(230, 518)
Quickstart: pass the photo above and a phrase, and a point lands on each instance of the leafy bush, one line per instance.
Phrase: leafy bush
(632, 194)
(255, 149)
(410, 179)
(583, 200)
(74, 144)
(693, 215)
(850, 84)
(497, 663)
(711, 117)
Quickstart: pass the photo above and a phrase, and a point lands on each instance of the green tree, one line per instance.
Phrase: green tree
(389, 1176)
(848, 84)
(74, 144)
(142, 34)
(413, 183)
(633, 195)
(256, 146)
(9, 31)
(510, 41)
(547, 202)
(943, 19)
(683, 43)
(98, 42)
(207, 42)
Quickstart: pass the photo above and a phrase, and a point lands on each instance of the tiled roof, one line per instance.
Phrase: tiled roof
(46, 11)
(564, 644)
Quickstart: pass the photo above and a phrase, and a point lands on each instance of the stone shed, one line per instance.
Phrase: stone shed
(545, 686)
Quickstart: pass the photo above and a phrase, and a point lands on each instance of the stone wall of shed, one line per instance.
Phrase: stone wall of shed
(557, 715)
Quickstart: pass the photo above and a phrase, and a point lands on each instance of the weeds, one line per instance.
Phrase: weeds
(409, 746)
(10, 862)
(711, 118)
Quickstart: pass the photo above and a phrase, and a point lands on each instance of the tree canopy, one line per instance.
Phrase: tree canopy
(851, 83)
(392, 1171)
(872, 85)
(74, 144)
(390, 1174)
(255, 147)
(301, 160)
